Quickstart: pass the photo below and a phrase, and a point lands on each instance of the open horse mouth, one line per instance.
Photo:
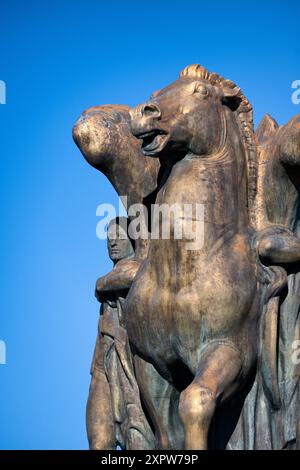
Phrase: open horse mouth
(153, 141)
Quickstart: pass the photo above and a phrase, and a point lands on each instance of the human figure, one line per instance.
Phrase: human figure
(114, 410)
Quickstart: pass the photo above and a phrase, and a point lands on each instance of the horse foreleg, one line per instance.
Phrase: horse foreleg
(215, 380)
(161, 400)
(281, 247)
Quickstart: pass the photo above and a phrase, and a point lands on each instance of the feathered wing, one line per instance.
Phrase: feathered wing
(104, 137)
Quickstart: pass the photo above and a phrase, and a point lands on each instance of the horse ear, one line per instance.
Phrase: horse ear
(267, 127)
(231, 97)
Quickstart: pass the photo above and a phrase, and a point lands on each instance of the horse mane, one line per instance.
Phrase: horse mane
(244, 116)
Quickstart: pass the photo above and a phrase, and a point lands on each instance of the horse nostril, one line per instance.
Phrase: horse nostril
(151, 110)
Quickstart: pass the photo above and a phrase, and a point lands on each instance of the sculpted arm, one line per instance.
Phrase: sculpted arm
(116, 281)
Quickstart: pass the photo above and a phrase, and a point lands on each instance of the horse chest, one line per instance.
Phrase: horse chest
(163, 314)
(190, 182)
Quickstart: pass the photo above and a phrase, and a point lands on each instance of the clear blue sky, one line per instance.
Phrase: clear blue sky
(57, 58)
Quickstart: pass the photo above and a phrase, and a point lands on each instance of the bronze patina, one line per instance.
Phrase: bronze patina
(212, 329)
(114, 411)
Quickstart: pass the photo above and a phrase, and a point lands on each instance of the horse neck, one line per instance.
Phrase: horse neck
(228, 169)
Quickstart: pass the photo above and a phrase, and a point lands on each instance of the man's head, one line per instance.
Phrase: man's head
(118, 242)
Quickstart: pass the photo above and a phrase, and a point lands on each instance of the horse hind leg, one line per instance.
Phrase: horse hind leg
(217, 378)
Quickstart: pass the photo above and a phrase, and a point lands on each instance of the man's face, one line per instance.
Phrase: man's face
(118, 244)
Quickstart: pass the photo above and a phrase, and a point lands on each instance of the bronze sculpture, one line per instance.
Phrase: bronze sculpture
(203, 322)
(274, 425)
(114, 412)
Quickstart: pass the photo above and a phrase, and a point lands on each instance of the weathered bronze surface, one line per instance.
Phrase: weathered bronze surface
(212, 329)
(114, 411)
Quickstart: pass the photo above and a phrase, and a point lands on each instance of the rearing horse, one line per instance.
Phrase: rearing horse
(193, 315)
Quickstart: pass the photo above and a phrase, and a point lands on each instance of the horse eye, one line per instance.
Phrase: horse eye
(201, 89)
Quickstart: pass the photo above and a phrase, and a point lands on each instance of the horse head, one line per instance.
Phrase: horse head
(186, 116)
